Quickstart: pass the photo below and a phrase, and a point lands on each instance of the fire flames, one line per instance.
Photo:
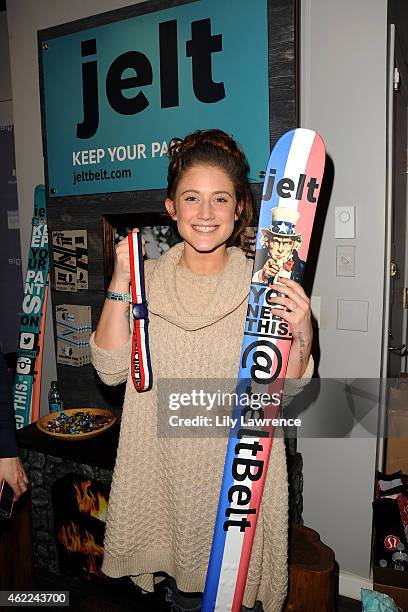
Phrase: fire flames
(70, 537)
(77, 539)
(88, 503)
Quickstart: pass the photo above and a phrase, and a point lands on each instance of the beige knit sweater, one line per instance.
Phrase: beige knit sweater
(164, 492)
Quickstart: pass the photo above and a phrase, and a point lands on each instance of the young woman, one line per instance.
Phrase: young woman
(165, 490)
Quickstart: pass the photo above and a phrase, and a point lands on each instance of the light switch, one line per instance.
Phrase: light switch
(345, 260)
(345, 222)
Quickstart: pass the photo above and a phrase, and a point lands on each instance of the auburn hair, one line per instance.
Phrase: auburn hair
(213, 148)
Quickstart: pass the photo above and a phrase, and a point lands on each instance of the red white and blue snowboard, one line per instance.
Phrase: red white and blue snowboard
(289, 199)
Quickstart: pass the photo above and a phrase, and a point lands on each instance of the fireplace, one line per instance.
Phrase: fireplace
(79, 509)
(70, 483)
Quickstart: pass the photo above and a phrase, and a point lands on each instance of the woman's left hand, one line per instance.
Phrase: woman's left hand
(298, 314)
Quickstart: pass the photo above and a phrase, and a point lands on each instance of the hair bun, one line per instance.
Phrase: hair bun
(181, 150)
(174, 147)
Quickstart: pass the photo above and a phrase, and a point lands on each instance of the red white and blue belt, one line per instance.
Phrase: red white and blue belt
(141, 366)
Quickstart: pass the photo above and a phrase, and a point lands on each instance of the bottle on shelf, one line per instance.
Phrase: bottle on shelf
(55, 401)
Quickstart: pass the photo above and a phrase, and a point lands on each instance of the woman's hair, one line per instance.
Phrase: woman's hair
(213, 148)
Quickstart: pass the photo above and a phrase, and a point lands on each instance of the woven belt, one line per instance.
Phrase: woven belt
(141, 366)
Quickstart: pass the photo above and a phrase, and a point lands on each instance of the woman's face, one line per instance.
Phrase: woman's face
(204, 207)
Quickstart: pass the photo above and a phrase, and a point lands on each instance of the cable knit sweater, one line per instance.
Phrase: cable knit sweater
(164, 492)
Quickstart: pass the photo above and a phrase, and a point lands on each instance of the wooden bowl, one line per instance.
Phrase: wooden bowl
(42, 424)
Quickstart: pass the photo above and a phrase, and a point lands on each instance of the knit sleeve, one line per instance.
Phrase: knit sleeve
(112, 366)
(293, 386)
(149, 266)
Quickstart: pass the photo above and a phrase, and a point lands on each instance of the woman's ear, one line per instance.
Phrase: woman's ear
(171, 209)
(238, 210)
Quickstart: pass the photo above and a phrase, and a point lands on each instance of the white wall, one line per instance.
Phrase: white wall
(343, 96)
(24, 20)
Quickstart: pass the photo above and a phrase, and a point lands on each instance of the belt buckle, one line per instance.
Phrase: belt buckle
(140, 311)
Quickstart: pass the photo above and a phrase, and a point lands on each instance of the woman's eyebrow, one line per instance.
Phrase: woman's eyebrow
(189, 191)
(196, 191)
(223, 191)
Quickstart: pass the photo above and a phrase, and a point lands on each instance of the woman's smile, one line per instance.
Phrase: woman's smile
(205, 229)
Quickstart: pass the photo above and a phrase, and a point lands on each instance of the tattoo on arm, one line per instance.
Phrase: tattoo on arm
(299, 336)
(127, 315)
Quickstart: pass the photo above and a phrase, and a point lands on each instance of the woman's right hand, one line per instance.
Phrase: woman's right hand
(121, 273)
(112, 332)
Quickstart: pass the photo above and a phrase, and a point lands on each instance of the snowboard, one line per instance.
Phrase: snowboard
(27, 381)
(289, 199)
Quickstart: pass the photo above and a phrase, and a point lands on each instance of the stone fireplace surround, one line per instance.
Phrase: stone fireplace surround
(47, 460)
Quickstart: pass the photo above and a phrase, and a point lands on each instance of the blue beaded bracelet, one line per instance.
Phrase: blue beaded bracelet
(115, 296)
